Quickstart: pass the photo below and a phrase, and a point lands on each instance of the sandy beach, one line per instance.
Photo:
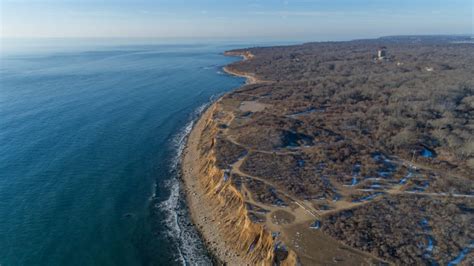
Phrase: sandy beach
(250, 78)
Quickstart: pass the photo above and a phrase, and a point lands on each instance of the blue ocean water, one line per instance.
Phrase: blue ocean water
(89, 144)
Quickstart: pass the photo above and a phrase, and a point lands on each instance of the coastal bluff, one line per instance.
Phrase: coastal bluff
(218, 208)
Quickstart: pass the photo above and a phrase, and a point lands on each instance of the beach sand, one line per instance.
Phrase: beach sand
(250, 78)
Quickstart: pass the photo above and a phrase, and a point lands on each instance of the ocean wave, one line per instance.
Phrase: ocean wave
(190, 248)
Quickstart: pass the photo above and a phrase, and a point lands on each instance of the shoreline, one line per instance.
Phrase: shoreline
(201, 208)
(201, 211)
(249, 77)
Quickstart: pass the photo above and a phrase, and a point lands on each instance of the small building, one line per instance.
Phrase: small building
(382, 53)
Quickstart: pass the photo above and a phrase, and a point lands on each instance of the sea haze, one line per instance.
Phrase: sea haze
(88, 138)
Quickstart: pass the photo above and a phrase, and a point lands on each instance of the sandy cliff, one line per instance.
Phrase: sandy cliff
(218, 207)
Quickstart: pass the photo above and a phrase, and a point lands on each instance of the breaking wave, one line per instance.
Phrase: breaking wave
(190, 248)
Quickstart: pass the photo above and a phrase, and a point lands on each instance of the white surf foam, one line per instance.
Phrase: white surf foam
(191, 250)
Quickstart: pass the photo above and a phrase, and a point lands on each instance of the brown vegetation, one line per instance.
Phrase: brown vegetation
(373, 146)
(374, 158)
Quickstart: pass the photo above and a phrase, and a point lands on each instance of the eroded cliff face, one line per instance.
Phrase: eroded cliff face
(251, 241)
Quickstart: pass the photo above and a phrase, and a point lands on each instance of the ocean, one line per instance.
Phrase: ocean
(90, 141)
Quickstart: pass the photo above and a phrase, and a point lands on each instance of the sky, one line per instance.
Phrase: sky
(225, 19)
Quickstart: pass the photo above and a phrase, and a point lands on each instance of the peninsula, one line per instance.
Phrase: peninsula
(348, 153)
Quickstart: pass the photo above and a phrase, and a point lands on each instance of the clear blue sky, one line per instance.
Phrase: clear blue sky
(291, 19)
